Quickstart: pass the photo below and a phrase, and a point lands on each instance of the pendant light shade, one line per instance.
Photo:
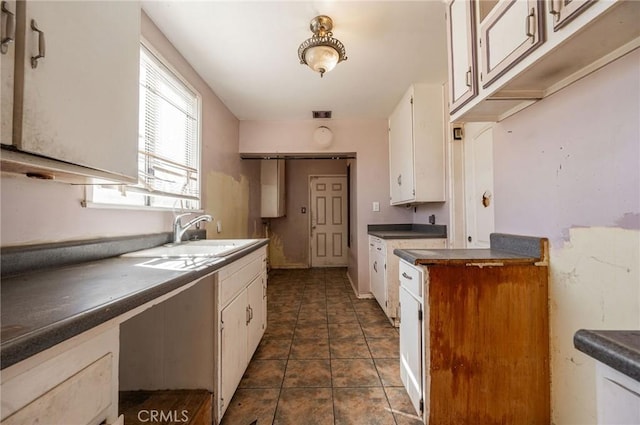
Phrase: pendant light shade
(321, 52)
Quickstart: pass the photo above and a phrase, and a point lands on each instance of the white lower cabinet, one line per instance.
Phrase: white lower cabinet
(242, 298)
(618, 396)
(75, 382)
(383, 270)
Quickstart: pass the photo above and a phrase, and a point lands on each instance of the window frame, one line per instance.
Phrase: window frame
(89, 198)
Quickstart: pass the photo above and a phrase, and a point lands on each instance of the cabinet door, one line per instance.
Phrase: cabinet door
(255, 327)
(401, 151)
(7, 61)
(80, 101)
(376, 272)
(411, 347)
(512, 30)
(564, 11)
(233, 347)
(461, 43)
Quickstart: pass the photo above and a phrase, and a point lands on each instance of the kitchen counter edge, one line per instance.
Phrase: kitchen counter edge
(618, 349)
(14, 350)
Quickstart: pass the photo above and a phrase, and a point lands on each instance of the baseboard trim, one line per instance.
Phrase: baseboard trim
(355, 291)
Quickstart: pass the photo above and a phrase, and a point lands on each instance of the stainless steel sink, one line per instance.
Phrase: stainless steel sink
(201, 248)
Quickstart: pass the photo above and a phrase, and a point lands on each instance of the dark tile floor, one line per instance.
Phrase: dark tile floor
(327, 357)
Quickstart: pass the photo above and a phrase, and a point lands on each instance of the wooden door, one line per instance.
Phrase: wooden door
(328, 221)
(233, 347)
(7, 60)
(461, 43)
(479, 202)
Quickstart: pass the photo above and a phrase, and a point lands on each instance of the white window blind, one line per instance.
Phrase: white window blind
(168, 158)
(168, 144)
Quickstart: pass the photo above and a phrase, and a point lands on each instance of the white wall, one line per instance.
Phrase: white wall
(368, 139)
(568, 168)
(41, 211)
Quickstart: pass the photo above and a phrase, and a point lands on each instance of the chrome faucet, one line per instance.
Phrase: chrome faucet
(179, 228)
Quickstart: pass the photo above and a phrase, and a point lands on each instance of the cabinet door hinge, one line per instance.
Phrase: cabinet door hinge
(385, 303)
(420, 314)
(411, 101)
(421, 406)
(221, 325)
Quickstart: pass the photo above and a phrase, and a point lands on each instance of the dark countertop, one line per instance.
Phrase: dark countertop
(505, 249)
(618, 349)
(460, 256)
(407, 231)
(45, 307)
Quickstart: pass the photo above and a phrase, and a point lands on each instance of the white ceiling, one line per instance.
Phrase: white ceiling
(247, 53)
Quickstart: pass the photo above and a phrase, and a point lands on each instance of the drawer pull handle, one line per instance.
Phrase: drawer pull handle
(531, 23)
(406, 276)
(375, 266)
(9, 33)
(467, 78)
(41, 44)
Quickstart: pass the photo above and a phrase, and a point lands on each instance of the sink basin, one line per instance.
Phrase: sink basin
(201, 248)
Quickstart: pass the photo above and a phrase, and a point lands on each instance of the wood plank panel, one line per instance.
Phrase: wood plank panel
(336, 210)
(489, 339)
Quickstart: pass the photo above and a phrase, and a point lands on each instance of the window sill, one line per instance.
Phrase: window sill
(89, 204)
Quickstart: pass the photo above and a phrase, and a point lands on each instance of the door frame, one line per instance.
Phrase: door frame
(311, 176)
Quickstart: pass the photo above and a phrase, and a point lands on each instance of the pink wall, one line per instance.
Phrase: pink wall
(568, 168)
(368, 140)
(37, 212)
(572, 159)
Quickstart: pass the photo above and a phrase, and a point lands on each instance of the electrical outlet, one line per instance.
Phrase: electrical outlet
(376, 206)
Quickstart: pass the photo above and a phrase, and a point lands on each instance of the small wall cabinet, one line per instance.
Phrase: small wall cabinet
(511, 32)
(272, 183)
(530, 49)
(242, 320)
(416, 147)
(461, 44)
(383, 270)
(76, 101)
(565, 10)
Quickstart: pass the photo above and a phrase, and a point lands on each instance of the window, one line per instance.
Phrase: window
(168, 142)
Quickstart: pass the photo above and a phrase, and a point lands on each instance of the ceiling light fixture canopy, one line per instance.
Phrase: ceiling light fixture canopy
(321, 52)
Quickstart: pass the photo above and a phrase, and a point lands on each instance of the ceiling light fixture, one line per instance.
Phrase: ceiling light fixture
(321, 52)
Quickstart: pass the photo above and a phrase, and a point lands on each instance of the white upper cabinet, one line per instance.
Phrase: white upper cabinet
(461, 44)
(416, 147)
(7, 63)
(565, 10)
(530, 49)
(76, 77)
(272, 184)
(511, 32)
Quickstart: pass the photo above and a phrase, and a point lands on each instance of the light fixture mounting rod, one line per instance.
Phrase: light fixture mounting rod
(321, 26)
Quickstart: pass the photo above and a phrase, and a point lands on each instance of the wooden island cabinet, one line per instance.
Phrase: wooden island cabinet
(485, 332)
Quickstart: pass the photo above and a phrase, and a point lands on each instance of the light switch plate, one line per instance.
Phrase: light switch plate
(376, 206)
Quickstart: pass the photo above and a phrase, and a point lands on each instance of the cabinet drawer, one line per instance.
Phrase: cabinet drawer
(376, 244)
(230, 284)
(78, 400)
(411, 278)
